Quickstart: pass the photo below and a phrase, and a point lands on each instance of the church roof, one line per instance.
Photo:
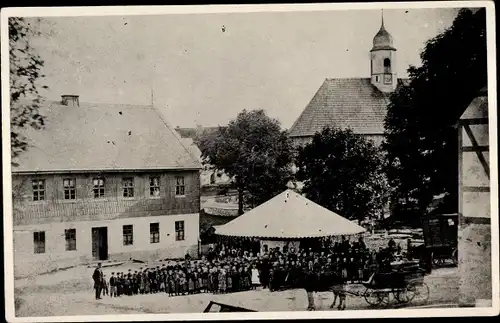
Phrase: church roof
(345, 103)
(383, 40)
(103, 137)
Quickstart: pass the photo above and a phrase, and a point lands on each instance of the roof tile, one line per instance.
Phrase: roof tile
(103, 137)
(346, 103)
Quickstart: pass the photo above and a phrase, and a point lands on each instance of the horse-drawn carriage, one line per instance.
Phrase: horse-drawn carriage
(441, 238)
(405, 283)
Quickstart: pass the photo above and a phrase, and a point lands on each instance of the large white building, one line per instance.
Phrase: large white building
(103, 182)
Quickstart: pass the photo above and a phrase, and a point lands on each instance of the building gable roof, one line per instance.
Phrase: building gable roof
(103, 137)
(345, 103)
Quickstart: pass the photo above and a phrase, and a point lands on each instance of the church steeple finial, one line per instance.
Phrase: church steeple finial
(382, 19)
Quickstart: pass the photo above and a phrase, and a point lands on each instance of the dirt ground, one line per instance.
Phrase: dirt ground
(70, 292)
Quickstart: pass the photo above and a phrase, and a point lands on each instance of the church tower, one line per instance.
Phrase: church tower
(383, 61)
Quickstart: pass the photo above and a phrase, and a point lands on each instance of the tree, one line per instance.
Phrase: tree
(344, 172)
(255, 151)
(421, 140)
(25, 72)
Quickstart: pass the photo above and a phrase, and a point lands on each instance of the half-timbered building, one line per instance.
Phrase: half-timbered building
(474, 239)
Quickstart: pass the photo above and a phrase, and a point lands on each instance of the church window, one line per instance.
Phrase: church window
(387, 65)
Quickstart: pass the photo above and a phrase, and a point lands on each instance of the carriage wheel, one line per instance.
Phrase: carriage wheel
(454, 257)
(418, 292)
(376, 298)
(437, 261)
(401, 295)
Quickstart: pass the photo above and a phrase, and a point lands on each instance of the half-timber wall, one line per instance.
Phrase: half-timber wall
(474, 239)
(55, 214)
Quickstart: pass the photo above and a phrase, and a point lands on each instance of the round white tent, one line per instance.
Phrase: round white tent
(289, 215)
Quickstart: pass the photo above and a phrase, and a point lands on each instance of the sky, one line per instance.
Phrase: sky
(203, 69)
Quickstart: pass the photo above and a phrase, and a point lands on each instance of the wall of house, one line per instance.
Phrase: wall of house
(377, 138)
(302, 141)
(55, 214)
(112, 206)
(27, 262)
(474, 236)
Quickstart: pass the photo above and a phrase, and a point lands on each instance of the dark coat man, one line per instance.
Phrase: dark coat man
(98, 279)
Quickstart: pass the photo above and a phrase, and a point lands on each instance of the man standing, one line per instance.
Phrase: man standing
(310, 284)
(98, 278)
(112, 286)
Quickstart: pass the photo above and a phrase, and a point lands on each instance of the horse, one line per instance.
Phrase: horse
(327, 281)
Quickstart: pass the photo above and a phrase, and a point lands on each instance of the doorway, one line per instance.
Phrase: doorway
(100, 243)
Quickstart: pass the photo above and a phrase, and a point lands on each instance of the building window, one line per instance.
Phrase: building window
(70, 235)
(376, 78)
(179, 230)
(154, 186)
(179, 185)
(128, 187)
(39, 241)
(98, 187)
(38, 189)
(128, 235)
(154, 232)
(69, 188)
(387, 65)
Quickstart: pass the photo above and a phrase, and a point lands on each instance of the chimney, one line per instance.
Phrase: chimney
(70, 100)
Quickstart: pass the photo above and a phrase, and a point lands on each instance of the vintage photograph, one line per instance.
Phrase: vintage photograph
(317, 159)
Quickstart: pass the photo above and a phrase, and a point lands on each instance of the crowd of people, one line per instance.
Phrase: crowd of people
(235, 266)
(183, 278)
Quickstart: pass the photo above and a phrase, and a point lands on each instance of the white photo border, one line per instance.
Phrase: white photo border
(205, 9)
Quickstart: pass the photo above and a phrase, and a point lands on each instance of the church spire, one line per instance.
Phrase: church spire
(383, 60)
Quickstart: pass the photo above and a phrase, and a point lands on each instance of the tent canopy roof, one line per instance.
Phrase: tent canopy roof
(289, 215)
